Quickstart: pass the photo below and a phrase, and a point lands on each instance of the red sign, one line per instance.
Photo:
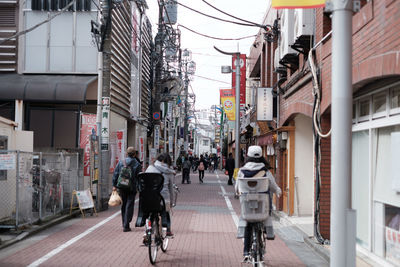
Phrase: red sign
(242, 77)
(156, 115)
(88, 123)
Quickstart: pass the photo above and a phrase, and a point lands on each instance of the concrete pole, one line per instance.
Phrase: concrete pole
(98, 122)
(237, 112)
(185, 125)
(342, 226)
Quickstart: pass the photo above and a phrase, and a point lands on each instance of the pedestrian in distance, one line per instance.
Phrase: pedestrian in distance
(202, 167)
(230, 167)
(186, 171)
(128, 168)
(163, 165)
(257, 166)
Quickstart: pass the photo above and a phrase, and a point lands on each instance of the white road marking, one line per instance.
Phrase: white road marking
(228, 203)
(71, 241)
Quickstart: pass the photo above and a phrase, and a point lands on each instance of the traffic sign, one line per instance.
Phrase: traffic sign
(156, 115)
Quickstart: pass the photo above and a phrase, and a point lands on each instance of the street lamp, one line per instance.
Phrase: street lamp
(227, 69)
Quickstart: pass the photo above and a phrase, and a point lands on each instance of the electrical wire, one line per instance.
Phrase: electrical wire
(223, 12)
(317, 94)
(39, 24)
(216, 38)
(224, 20)
(210, 79)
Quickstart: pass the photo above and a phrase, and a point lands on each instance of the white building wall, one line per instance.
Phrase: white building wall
(304, 197)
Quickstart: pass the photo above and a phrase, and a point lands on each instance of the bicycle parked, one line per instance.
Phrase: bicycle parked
(254, 203)
(152, 213)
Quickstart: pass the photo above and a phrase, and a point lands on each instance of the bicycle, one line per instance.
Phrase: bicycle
(254, 203)
(151, 209)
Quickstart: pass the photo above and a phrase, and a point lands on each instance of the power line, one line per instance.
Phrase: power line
(223, 12)
(216, 38)
(210, 79)
(229, 21)
(39, 24)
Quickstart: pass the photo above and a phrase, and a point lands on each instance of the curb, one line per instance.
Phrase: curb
(309, 241)
(38, 229)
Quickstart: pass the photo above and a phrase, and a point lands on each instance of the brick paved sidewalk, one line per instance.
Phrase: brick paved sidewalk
(205, 235)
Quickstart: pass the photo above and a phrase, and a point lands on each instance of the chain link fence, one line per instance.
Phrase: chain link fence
(36, 185)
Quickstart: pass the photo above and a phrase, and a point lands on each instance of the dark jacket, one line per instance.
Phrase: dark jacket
(230, 165)
(135, 166)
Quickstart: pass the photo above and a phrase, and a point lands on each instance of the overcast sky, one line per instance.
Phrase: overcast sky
(208, 60)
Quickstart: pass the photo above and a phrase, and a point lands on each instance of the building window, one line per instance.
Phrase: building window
(379, 104)
(205, 142)
(3, 146)
(363, 110)
(395, 98)
(55, 5)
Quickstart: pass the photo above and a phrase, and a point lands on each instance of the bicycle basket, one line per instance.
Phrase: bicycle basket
(254, 199)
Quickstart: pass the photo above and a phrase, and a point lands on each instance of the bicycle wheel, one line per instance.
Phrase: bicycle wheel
(153, 241)
(255, 248)
(164, 241)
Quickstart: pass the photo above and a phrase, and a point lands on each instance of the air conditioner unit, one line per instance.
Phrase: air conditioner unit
(303, 23)
(287, 35)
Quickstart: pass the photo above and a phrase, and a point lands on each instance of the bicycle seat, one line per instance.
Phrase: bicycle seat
(150, 182)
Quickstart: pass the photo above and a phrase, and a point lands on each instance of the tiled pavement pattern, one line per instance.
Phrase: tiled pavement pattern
(205, 235)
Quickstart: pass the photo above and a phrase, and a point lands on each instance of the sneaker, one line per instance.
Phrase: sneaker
(170, 234)
(246, 257)
(127, 229)
(270, 233)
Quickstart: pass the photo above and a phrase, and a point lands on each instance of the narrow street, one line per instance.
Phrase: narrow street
(203, 224)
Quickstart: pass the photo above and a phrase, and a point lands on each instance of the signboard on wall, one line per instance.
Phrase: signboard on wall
(88, 123)
(117, 148)
(156, 136)
(242, 76)
(141, 148)
(264, 104)
(7, 161)
(105, 123)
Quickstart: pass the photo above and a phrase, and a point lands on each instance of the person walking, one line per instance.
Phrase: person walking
(163, 165)
(129, 166)
(257, 166)
(202, 167)
(230, 167)
(186, 171)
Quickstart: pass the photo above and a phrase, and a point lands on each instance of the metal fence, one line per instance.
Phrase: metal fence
(36, 185)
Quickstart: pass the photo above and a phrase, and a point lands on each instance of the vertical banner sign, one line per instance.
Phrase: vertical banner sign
(170, 144)
(156, 136)
(88, 122)
(264, 104)
(117, 143)
(242, 61)
(227, 97)
(105, 123)
(94, 157)
(153, 155)
(278, 4)
(169, 112)
(141, 148)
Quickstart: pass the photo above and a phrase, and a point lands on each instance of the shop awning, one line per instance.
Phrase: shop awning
(45, 88)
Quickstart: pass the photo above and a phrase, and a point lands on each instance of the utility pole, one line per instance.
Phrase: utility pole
(185, 126)
(343, 218)
(158, 56)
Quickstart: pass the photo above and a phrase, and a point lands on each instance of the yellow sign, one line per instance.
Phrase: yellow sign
(278, 4)
(228, 103)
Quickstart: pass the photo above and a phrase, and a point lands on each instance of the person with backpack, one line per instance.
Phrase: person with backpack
(257, 166)
(124, 180)
(202, 167)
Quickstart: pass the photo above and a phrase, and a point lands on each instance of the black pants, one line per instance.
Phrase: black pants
(230, 173)
(128, 203)
(186, 175)
(201, 175)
